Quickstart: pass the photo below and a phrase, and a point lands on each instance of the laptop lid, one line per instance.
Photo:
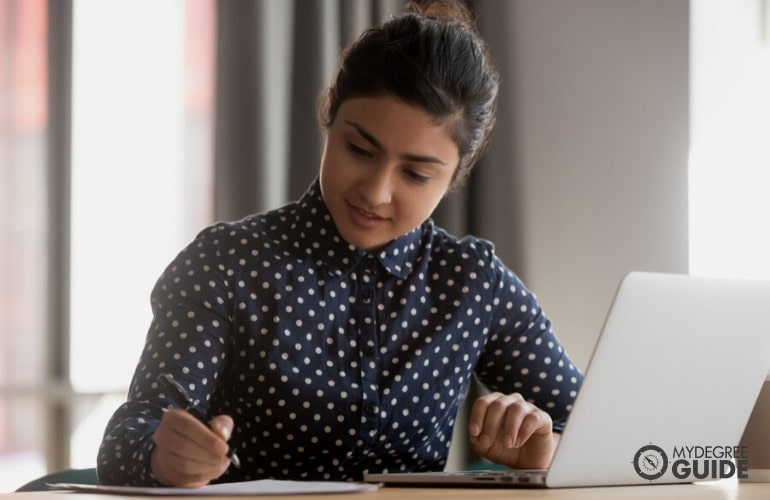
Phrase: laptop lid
(670, 384)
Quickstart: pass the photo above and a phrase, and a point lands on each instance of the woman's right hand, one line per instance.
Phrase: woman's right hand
(187, 454)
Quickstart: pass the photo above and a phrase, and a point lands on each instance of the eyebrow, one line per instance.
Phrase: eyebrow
(406, 156)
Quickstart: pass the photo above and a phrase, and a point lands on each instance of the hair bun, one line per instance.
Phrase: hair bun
(443, 10)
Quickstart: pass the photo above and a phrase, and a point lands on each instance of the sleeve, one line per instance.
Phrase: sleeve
(188, 338)
(523, 354)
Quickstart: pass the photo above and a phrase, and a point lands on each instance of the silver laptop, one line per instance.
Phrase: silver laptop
(669, 388)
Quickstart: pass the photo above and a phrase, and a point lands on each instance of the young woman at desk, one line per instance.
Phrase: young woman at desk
(339, 334)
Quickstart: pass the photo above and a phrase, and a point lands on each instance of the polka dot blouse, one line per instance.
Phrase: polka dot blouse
(333, 361)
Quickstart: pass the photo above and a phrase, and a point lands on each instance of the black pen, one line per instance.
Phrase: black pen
(193, 410)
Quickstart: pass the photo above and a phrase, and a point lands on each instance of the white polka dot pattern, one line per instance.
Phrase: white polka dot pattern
(332, 361)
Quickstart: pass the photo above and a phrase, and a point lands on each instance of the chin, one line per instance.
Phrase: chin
(369, 246)
(366, 244)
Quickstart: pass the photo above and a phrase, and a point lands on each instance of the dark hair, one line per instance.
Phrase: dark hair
(431, 57)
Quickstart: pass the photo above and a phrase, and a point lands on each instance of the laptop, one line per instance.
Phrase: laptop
(667, 393)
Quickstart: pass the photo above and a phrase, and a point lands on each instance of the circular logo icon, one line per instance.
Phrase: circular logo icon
(650, 462)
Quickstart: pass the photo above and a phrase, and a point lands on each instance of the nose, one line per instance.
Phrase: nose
(376, 188)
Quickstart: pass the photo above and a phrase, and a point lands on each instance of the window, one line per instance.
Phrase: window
(142, 132)
(23, 238)
(730, 155)
(141, 159)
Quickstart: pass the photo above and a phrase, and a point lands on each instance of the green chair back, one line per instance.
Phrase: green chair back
(80, 476)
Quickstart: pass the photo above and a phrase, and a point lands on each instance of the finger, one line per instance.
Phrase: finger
(178, 458)
(515, 417)
(210, 442)
(183, 438)
(536, 422)
(479, 412)
(190, 469)
(222, 425)
(487, 417)
(175, 470)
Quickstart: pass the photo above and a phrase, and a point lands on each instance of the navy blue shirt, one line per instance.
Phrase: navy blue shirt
(333, 361)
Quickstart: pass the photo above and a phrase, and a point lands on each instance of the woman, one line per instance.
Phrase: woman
(339, 334)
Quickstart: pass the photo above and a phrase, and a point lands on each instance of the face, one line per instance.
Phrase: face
(385, 167)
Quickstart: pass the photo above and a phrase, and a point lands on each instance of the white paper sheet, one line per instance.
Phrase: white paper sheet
(253, 488)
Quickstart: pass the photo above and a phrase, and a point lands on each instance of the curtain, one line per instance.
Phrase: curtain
(58, 188)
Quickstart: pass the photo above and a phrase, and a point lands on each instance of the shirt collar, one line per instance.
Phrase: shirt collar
(338, 257)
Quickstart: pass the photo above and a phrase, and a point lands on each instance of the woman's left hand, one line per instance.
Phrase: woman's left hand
(506, 429)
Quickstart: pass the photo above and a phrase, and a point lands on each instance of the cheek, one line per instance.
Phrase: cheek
(420, 207)
(330, 176)
(328, 173)
(334, 164)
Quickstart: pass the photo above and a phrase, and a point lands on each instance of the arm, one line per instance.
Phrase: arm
(533, 379)
(188, 338)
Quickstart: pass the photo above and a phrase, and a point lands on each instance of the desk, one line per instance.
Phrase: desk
(713, 491)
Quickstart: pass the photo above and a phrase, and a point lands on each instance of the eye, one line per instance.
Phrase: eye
(416, 177)
(357, 150)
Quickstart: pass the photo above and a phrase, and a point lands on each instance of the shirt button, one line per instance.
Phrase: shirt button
(367, 295)
(368, 349)
(370, 409)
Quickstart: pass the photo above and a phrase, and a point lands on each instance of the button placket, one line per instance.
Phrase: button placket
(367, 327)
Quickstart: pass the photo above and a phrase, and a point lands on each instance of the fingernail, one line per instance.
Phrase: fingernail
(475, 430)
(509, 442)
(485, 442)
(225, 432)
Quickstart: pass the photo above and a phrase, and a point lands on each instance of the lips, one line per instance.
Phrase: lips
(364, 218)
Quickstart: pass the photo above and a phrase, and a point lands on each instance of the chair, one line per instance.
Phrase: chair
(80, 476)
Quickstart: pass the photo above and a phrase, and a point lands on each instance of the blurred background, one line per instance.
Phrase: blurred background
(632, 135)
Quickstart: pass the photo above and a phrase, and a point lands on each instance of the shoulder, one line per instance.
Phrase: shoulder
(469, 249)
(270, 226)
(474, 257)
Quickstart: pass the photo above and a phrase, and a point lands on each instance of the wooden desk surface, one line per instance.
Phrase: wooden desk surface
(713, 491)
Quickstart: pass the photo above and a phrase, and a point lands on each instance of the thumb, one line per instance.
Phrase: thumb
(222, 425)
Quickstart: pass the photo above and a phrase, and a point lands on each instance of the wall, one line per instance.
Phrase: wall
(594, 123)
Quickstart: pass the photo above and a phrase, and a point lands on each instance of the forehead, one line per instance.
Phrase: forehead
(391, 120)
